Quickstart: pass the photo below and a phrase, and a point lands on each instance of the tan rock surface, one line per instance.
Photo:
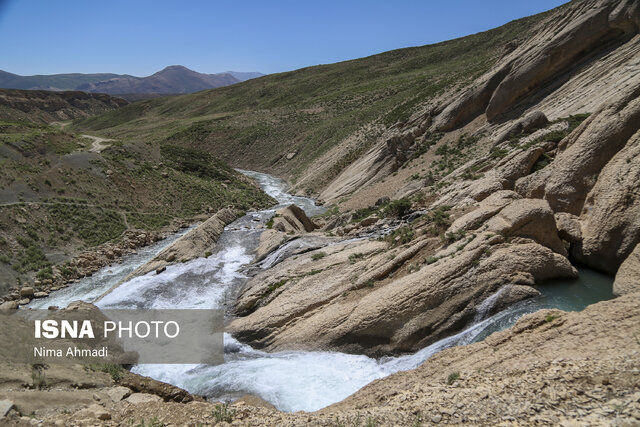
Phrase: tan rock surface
(551, 368)
(361, 309)
(610, 219)
(269, 241)
(292, 220)
(138, 398)
(194, 244)
(628, 276)
(566, 182)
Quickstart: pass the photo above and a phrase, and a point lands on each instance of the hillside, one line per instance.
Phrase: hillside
(171, 80)
(304, 113)
(44, 107)
(63, 193)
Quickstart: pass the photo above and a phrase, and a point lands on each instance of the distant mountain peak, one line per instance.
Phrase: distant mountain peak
(175, 68)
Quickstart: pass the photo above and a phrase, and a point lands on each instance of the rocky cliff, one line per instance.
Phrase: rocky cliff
(516, 178)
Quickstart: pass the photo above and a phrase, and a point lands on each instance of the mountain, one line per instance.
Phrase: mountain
(51, 82)
(171, 80)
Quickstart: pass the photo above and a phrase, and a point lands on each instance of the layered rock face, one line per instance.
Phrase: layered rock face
(595, 175)
(340, 297)
(585, 31)
(556, 179)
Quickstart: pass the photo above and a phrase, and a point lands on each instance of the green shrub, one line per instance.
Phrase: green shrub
(453, 377)
(222, 413)
(318, 255)
(360, 214)
(195, 162)
(398, 208)
(400, 236)
(116, 371)
(353, 258)
(498, 153)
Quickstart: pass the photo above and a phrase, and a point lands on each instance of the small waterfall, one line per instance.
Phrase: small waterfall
(487, 305)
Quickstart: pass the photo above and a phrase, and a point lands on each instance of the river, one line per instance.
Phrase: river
(293, 380)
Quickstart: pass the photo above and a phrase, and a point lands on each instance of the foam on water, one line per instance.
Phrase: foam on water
(277, 188)
(202, 284)
(291, 381)
(90, 288)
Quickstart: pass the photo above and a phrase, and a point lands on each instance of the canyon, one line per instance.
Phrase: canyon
(441, 208)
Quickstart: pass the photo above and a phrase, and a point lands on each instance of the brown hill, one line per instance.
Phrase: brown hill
(45, 107)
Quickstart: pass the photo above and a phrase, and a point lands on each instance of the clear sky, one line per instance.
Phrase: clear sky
(140, 37)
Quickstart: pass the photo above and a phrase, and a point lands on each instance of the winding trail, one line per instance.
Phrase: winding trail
(97, 144)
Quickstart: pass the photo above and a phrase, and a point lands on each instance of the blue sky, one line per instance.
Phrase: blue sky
(140, 37)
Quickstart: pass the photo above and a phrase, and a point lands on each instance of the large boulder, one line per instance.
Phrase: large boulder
(195, 244)
(628, 277)
(293, 220)
(611, 214)
(507, 214)
(357, 298)
(530, 218)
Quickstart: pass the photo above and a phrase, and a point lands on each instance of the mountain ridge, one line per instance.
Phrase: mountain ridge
(172, 79)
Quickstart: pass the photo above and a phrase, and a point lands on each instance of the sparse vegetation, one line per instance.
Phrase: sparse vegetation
(353, 258)
(400, 235)
(318, 255)
(87, 201)
(550, 318)
(398, 208)
(222, 413)
(113, 369)
(38, 376)
(453, 377)
(311, 110)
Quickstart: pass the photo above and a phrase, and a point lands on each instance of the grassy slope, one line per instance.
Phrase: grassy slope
(255, 124)
(56, 198)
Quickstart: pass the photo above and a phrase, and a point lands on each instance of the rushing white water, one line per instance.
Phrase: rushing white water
(90, 288)
(277, 188)
(293, 380)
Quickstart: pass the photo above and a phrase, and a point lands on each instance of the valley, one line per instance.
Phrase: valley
(445, 234)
